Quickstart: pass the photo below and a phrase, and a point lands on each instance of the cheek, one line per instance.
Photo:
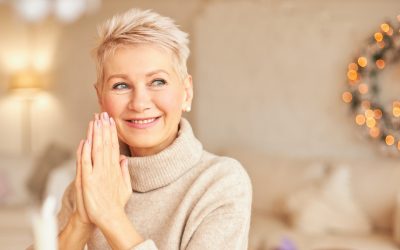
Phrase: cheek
(113, 105)
(171, 103)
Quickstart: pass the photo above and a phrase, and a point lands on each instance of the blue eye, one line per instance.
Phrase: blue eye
(120, 85)
(158, 82)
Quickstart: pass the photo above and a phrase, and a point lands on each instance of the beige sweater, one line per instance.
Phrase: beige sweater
(183, 198)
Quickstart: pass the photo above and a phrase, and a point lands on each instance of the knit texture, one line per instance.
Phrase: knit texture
(183, 198)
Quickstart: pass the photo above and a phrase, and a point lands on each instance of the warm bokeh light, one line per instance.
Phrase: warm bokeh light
(362, 61)
(381, 44)
(378, 114)
(398, 145)
(352, 75)
(363, 88)
(396, 111)
(390, 32)
(369, 113)
(380, 63)
(360, 119)
(366, 104)
(378, 36)
(371, 122)
(352, 66)
(347, 97)
(385, 27)
(374, 132)
(389, 140)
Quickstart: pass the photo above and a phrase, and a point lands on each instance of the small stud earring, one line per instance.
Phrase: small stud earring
(187, 109)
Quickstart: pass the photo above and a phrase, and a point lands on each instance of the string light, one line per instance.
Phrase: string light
(381, 122)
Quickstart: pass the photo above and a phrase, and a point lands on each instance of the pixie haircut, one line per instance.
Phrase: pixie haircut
(141, 27)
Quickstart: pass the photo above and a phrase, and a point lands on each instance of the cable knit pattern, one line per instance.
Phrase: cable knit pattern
(183, 198)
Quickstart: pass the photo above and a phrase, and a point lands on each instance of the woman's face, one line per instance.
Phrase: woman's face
(144, 94)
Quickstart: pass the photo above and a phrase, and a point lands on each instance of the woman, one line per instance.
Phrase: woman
(143, 180)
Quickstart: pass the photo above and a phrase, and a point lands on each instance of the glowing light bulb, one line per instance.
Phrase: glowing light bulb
(362, 61)
(389, 140)
(360, 119)
(347, 97)
(378, 36)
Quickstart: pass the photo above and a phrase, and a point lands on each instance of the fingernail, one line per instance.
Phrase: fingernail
(98, 123)
(105, 116)
(112, 121)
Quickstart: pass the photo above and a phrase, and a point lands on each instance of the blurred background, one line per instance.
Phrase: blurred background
(269, 79)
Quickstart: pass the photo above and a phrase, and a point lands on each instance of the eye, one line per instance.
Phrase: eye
(120, 85)
(158, 82)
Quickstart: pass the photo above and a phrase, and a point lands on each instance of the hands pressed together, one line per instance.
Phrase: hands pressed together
(102, 182)
(103, 187)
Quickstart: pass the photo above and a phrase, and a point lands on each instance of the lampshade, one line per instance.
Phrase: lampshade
(26, 81)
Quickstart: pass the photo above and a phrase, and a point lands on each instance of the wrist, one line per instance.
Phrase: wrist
(75, 234)
(119, 231)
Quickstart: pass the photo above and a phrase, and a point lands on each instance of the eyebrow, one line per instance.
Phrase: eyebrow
(147, 75)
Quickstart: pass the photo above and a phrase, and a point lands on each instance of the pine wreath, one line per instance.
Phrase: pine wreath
(380, 122)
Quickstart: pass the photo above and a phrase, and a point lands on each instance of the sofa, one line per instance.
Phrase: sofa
(322, 203)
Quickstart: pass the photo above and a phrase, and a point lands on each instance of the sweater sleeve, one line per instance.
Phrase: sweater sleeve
(221, 218)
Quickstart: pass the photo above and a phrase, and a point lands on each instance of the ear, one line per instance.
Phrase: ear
(188, 96)
(98, 92)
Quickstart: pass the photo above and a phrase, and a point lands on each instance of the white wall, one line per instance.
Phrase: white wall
(268, 74)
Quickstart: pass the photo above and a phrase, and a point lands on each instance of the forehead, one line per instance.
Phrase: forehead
(138, 59)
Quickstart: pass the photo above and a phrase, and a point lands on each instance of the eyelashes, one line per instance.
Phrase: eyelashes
(154, 83)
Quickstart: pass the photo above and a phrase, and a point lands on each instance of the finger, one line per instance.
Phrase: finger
(96, 116)
(87, 166)
(105, 121)
(89, 135)
(115, 158)
(97, 147)
(78, 165)
(125, 173)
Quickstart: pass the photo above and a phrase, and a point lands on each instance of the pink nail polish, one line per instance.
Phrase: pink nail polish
(105, 116)
(112, 121)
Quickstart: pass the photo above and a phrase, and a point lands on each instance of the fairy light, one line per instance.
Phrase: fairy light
(360, 119)
(362, 61)
(371, 122)
(378, 36)
(352, 75)
(380, 63)
(347, 97)
(374, 132)
(381, 123)
(377, 114)
(385, 27)
(389, 139)
(363, 88)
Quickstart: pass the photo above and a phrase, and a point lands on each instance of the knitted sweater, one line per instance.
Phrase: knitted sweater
(183, 198)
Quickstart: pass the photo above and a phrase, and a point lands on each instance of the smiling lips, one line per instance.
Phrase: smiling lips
(142, 123)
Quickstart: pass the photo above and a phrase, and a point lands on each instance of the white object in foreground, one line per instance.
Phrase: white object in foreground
(45, 226)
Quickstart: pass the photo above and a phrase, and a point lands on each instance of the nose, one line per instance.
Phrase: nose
(140, 100)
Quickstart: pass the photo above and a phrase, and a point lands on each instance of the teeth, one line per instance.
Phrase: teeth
(143, 121)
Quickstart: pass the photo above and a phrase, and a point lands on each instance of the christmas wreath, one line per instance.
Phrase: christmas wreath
(378, 119)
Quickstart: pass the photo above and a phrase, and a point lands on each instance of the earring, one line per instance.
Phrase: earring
(187, 109)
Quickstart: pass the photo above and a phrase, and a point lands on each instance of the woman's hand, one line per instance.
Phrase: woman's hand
(106, 184)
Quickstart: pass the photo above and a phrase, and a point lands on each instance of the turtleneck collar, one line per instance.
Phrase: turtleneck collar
(156, 171)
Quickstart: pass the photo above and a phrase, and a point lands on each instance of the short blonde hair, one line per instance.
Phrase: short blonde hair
(135, 27)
